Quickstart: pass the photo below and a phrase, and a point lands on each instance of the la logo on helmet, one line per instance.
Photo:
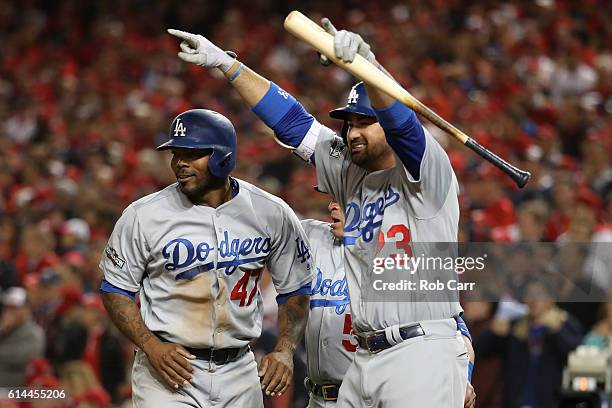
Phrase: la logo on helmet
(353, 96)
(179, 128)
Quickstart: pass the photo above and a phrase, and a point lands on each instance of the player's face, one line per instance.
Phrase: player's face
(367, 144)
(191, 169)
(337, 216)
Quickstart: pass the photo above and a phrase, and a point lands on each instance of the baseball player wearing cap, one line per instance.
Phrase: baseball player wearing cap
(330, 343)
(396, 185)
(195, 252)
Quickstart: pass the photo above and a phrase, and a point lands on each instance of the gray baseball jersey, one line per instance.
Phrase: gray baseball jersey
(329, 342)
(197, 267)
(391, 206)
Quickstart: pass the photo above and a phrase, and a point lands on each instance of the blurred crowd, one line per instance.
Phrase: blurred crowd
(88, 89)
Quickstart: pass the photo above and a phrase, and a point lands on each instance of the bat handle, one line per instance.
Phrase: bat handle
(519, 176)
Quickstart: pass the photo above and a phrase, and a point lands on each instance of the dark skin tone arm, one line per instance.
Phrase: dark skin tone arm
(171, 361)
(276, 368)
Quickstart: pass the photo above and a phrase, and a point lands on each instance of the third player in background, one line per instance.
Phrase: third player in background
(330, 343)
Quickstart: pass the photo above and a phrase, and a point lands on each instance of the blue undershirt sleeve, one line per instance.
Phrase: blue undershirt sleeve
(282, 113)
(405, 135)
(304, 290)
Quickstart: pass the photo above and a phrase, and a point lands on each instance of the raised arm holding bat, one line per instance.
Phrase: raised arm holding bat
(337, 48)
(397, 186)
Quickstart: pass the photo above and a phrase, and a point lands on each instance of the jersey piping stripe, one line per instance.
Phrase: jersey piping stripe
(108, 287)
(304, 290)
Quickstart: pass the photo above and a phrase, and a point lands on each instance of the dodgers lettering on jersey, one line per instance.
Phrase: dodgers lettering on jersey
(367, 220)
(197, 268)
(389, 207)
(182, 253)
(337, 290)
(329, 342)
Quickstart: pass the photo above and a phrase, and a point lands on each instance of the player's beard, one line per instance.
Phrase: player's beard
(199, 187)
(195, 187)
(372, 156)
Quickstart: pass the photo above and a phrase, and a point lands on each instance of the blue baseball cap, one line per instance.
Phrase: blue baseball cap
(357, 102)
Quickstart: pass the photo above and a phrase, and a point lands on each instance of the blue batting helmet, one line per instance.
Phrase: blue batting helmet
(205, 129)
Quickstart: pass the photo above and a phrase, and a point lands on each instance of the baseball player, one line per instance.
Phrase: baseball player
(195, 252)
(396, 184)
(330, 344)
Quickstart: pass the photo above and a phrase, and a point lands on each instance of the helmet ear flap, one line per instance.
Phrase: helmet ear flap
(223, 166)
(226, 161)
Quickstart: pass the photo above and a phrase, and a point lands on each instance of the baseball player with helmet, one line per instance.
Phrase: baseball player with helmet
(195, 252)
(396, 184)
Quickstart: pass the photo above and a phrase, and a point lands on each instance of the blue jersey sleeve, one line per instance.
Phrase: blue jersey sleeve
(405, 135)
(105, 286)
(304, 290)
(282, 113)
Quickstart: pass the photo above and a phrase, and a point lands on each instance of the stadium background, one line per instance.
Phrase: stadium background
(87, 89)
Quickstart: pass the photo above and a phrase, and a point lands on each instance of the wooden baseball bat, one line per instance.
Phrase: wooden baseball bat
(311, 33)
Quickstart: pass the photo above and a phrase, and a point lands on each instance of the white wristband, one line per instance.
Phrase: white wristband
(307, 148)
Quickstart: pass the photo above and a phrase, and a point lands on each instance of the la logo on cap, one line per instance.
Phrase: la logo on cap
(353, 96)
(179, 128)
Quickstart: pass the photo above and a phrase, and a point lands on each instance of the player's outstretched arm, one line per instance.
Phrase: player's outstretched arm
(276, 368)
(274, 106)
(170, 360)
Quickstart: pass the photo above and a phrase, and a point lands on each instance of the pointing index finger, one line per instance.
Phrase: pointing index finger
(180, 34)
